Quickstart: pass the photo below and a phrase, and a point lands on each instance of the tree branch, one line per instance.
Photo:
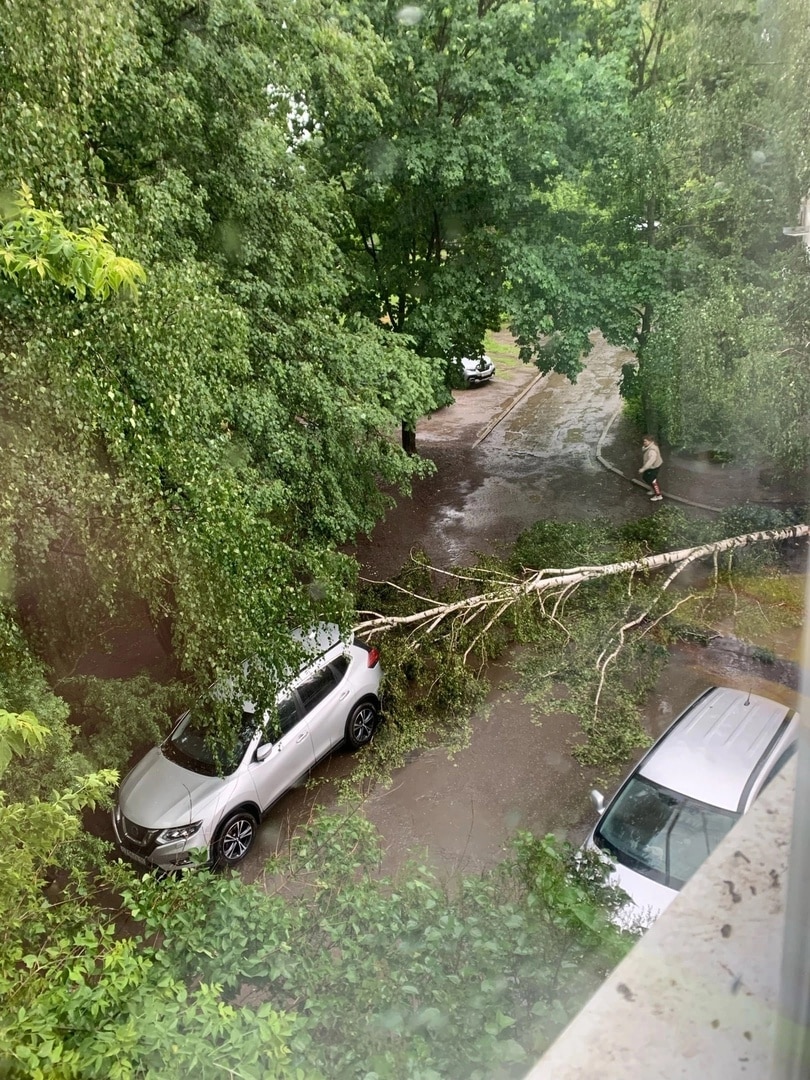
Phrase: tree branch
(561, 582)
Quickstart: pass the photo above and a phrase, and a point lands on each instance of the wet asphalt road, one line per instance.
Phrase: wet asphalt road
(537, 462)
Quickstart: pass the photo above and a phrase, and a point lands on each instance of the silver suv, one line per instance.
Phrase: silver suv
(686, 793)
(183, 799)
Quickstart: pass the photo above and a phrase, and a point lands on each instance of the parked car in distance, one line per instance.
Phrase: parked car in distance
(476, 369)
(687, 792)
(184, 800)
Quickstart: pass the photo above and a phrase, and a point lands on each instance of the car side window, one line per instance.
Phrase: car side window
(287, 715)
(315, 688)
(340, 666)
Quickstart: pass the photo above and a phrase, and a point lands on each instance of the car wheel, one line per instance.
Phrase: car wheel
(362, 724)
(234, 839)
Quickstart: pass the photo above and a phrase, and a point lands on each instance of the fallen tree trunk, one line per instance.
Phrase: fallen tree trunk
(559, 583)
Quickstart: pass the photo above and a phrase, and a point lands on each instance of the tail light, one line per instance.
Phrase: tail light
(373, 657)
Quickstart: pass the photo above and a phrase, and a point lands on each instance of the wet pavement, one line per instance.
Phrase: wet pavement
(536, 462)
(539, 462)
(509, 453)
(456, 813)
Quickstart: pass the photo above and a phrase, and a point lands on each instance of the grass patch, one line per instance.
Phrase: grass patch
(504, 354)
(784, 593)
(753, 608)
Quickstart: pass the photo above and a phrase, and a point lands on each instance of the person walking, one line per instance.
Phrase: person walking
(651, 462)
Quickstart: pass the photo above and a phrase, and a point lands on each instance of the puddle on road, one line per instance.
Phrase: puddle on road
(457, 814)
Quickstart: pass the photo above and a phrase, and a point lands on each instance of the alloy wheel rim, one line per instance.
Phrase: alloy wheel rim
(364, 724)
(237, 839)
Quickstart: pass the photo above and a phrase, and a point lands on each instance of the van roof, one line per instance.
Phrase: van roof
(714, 748)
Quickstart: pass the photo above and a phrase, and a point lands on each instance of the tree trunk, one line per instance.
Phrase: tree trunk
(650, 412)
(408, 437)
(558, 583)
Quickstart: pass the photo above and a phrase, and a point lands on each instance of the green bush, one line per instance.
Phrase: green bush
(630, 390)
(564, 543)
(24, 688)
(749, 518)
(667, 530)
(401, 977)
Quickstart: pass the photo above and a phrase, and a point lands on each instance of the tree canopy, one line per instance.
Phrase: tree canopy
(206, 445)
(241, 242)
(467, 183)
(321, 206)
(723, 345)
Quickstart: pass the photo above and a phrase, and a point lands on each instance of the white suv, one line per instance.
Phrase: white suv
(477, 369)
(687, 792)
(183, 799)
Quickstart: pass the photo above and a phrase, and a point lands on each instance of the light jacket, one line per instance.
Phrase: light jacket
(651, 457)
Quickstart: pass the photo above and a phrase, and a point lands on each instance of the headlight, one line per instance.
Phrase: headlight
(182, 832)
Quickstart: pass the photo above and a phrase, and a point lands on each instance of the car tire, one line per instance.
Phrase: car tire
(362, 723)
(234, 839)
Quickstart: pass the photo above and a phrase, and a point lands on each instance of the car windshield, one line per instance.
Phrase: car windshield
(192, 745)
(660, 833)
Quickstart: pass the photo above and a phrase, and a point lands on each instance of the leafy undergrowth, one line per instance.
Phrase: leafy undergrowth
(333, 972)
(430, 692)
(395, 978)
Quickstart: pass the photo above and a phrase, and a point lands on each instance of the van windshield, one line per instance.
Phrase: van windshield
(660, 833)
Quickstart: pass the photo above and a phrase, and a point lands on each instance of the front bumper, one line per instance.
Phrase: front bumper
(139, 844)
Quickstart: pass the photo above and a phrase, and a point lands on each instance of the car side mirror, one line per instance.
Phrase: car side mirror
(263, 751)
(598, 800)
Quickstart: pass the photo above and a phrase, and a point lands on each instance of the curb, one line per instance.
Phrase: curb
(631, 479)
(601, 459)
(490, 427)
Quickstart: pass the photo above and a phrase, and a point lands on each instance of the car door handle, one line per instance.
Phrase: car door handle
(345, 694)
(301, 737)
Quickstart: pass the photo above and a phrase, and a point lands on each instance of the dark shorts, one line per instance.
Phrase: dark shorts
(649, 475)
